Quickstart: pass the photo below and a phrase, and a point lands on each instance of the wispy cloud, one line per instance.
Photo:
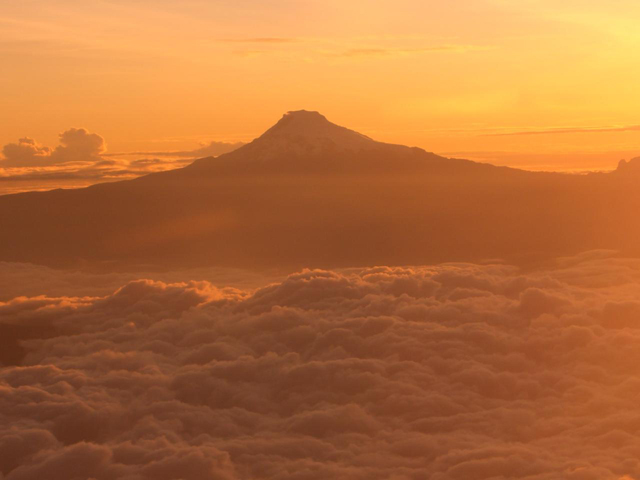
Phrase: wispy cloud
(211, 149)
(565, 130)
(348, 49)
(250, 53)
(383, 51)
(261, 40)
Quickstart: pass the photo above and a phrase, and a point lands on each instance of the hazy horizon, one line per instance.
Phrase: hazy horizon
(82, 158)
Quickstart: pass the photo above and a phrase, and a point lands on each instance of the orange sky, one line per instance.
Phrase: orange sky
(445, 76)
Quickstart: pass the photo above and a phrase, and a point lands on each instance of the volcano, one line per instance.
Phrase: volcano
(309, 193)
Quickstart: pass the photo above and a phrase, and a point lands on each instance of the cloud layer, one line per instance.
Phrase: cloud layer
(446, 372)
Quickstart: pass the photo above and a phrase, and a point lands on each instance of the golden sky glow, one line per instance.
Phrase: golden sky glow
(450, 77)
(220, 260)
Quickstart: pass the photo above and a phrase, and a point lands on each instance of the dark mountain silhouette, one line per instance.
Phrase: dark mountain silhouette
(311, 193)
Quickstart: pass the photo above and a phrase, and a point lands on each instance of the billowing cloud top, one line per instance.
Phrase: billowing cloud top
(447, 372)
(26, 152)
(79, 144)
(76, 144)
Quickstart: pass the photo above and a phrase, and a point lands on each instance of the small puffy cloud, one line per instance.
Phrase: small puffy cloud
(453, 371)
(76, 145)
(26, 152)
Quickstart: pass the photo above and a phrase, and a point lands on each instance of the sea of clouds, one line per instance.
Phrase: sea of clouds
(454, 371)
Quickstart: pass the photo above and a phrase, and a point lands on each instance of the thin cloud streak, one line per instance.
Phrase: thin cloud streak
(212, 149)
(261, 40)
(374, 51)
(566, 130)
(323, 48)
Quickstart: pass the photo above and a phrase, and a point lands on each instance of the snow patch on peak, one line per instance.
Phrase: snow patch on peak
(311, 129)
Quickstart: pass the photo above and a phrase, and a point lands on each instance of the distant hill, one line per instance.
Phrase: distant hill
(311, 193)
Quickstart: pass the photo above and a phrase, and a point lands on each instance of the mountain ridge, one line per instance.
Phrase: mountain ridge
(309, 193)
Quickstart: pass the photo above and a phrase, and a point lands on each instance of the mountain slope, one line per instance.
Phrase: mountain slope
(309, 193)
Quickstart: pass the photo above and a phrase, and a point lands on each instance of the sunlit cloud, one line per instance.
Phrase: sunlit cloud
(456, 371)
(76, 144)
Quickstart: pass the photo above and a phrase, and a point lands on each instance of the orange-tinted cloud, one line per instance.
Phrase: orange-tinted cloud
(26, 152)
(76, 144)
(455, 371)
(80, 160)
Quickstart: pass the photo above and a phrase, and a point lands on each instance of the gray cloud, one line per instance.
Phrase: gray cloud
(455, 371)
